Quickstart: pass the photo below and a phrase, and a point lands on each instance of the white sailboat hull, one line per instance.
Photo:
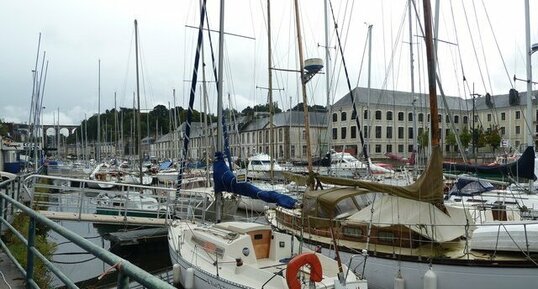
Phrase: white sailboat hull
(381, 272)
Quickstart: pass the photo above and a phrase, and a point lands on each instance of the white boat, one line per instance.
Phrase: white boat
(259, 167)
(101, 174)
(249, 255)
(131, 204)
(134, 179)
(344, 165)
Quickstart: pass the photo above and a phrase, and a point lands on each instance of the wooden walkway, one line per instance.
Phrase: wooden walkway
(103, 219)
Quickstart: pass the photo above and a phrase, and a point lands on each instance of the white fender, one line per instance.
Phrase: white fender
(176, 273)
(430, 280)
(188, 279)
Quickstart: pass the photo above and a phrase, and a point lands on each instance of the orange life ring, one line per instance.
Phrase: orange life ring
(316, 273)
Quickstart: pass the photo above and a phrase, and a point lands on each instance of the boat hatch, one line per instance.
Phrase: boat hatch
(261, 241)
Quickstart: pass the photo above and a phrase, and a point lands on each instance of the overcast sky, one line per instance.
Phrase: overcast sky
(76, 34)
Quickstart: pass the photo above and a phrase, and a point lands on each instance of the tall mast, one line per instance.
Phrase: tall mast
(99, 112)
(530, 141)
(303, 88)
(327, 75)
(369, 113)
(412, 70)
(220, 143)
(115, 126)
(270, 82)
(430, 56)
(138, 127)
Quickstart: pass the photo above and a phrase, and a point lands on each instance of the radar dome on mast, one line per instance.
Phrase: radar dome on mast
(311, 67)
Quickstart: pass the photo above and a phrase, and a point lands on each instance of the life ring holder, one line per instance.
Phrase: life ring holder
(295, 264)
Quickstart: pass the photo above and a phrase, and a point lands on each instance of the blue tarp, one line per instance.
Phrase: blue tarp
(225, 181)
(466, 187)
(165, 165)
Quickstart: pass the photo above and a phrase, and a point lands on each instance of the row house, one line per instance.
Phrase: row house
(386, 119)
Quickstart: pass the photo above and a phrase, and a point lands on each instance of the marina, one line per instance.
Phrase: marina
(302, 145)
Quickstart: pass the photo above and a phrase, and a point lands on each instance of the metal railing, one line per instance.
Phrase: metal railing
(10, 204)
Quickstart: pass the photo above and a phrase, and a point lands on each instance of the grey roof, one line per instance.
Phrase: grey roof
(403, 98)
(317, 119)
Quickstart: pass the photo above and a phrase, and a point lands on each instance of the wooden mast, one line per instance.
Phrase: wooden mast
(430, 56)
(303, 88)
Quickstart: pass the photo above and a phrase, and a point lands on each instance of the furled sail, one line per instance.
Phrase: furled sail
(226, 181)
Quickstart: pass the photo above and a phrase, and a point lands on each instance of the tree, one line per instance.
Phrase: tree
(451, 138)
(3, 128)
(493, 137)
(422, 138)
(465, 137)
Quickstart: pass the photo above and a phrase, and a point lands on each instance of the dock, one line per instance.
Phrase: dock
(10, 276)
(136, 237)
(104, 219)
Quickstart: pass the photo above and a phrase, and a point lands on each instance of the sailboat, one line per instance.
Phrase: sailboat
(411, 238)
(244, 254)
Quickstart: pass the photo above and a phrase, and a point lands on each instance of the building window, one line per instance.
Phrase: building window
(365, 131)
(421, 117)
(465, 119)
(439, 118)
(335, 133)
(410, 148)
(389, 148)
(389, 131)
(389, 115)
(365, 114)
(400, 148)
(410, 116)
(518, 129)
(456, 119)
(489, 116)
(343, 116)
(353, 132)
(378, 148)
(503, 116)
(280, 134)
(248, 137)
(400, 116)
(400, 132)
(260, 137)
(447, 148)
(354, 114)
(378, 114)
(304, 134)
(410, 132)
(304, 151)
(378, 131)
(447, 118)
(503, 130)
(267, 136)
(518, 114)
(292, 151)
(335, 117)
(343, 132)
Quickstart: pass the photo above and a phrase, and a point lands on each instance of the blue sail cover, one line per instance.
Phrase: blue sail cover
(225, 181)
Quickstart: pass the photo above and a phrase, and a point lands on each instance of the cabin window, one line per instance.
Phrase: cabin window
(335, 117)
(352, 232)
(385, 237)
(258, 236)
(378, 114)
(389, 115)
(353, 132)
